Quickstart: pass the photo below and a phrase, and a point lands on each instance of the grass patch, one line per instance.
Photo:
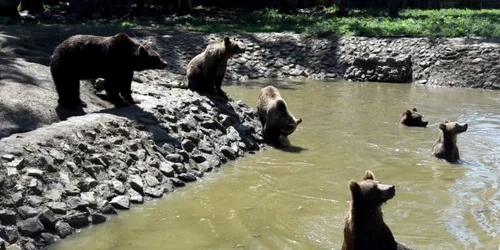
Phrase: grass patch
(414, 23)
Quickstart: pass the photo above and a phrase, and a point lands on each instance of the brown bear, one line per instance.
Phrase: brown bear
(365, 228)
(274, 115)
(412, 119)
(206, 70)
(446, 145)
(114, 58)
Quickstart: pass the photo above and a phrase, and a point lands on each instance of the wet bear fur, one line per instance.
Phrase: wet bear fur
(413, 119)
(206, 71)
(365, 228)
(114, 58)
(446, 144)
(274, 115)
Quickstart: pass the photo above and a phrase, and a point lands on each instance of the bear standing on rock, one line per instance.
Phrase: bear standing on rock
(206, 70)
(365, 228)
(446, 145)
(274, 115)
(114, 58)
(412, 119)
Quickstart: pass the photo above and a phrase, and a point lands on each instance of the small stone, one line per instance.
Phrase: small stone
(187, 177)
(228, 152)
(136, 183)
(177, 183)
(63, 229)
(118, 186)
(151, 180)
(188, 145)
(167, 169)
(175, 158)
(104, 191)
(36, 186)
(48, 218)
(96, 171)
(179, 168)
(135, 197)
(77, 220)
(106, 207)
(3, 243)
(53, 195)
(58, 155)
(89, 197)
(48, 238)
(10, 234)
(98, 218)
(18, 163)
(76, 203)
(198, 158)
(57, 207)
(8, 217)
(14, 247)
(37, 173)
(155, 192)
(26, 212)
(8, 157)
(121, 202)
(30, 227)
(11, 171)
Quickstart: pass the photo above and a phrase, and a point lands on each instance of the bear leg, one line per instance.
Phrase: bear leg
(218, 88)
(69, 93)
(126, 91)
(113, 92)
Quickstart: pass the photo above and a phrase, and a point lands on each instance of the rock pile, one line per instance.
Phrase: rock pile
(373, 69)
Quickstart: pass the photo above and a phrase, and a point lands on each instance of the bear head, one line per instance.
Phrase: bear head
(413, 119)
(233, 47)
(146, 58)
(453, 128)
(370, 193)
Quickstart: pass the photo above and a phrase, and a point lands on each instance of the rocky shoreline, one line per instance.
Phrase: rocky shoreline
(62, 176)
(59, 178)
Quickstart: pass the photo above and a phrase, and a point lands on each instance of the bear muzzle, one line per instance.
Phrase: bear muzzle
(388, 191)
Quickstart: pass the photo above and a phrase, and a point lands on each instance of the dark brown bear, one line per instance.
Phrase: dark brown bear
(446, 145)
(206, 70)
(274, 115)
(412, 119)
(114, 58)
(365, 228)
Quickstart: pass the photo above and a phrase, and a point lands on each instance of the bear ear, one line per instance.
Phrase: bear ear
(143, 51)
(408, 112)
(121, 36)
(369, 175)
(227, 40)
(354, 187)
(299, 121)
(442, 126)
(415, 109)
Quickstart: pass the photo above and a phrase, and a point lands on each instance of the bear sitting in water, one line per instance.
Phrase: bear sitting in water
(446, 144)
(412, 119)
(206, 70)
(274, 115)
(114, 58)
(365, 228)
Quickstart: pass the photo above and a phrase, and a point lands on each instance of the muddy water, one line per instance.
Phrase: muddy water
(297, 199)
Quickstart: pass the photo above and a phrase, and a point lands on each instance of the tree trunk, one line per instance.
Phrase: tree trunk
(31, 5)
(393, 7)
(343, 11)
(140, 5)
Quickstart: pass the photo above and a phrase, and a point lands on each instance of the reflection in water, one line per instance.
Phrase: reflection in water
(297, 200)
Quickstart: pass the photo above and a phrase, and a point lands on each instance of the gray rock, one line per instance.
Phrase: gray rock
(26, 212)
(53, 195)
(14, 247)
(135, 197)
(136, 183)
(106, 208)
(30, 227)
(187, 177)
(118, 186)
(188, 145)
(167, 169)
(17, 164)
(198, 158)
(57, 155)
(228, 152)
(121, 202)
(8, 217)
(76, 203)
(36, 186)
(57, 207)
(48, 238)
(37, 173)
(151, 180)
(179, 168)
(11, 171)
(48, 218)
(155, 192)
(8, 157)
(89, 197)
(175, 158)
(77, 220)
(9, 234)
(177, 183)
(3, 243)
(98, 218)
(105, 192)
(63, 229)
(96, 171)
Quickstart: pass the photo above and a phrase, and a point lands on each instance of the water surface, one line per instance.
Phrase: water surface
(297, 200)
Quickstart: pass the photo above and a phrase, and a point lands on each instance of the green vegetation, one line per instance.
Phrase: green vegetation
(446, 22)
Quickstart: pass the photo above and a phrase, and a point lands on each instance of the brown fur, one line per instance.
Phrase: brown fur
(206, 71)
(114, 58)
(365, 228)
(274, 115)
(412, 119)
(446, 144)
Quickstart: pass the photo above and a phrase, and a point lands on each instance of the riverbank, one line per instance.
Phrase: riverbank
(66, 175)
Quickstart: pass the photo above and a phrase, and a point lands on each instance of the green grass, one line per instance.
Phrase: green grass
(417, 23)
